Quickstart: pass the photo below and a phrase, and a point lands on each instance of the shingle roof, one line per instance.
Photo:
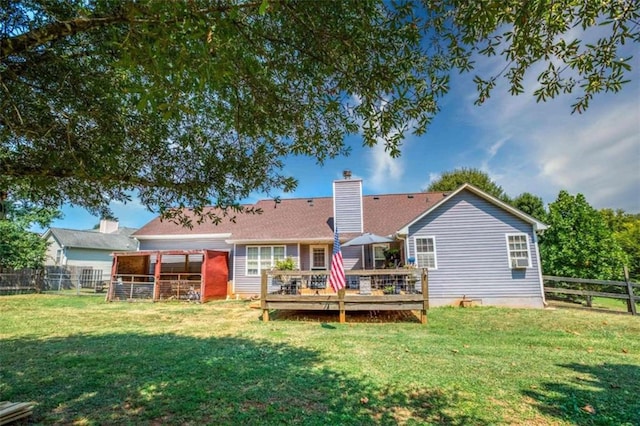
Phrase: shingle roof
(120, 240)
(305, 218)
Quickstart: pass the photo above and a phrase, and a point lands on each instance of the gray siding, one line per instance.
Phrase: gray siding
(347, 205)
(191, 244)
(87, 258)
(472, 257)
(244, 285)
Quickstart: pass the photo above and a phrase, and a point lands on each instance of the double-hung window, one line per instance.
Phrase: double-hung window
(518, 249)
(261, 258)
(318, 257)
(426, 252)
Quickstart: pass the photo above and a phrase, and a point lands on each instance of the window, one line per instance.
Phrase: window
(58, 256)
(426, 252)
(518, 249)
(260, 258)
(378, 255)
(318, 257)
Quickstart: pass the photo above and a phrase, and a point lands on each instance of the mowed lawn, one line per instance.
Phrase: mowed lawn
(84, 361)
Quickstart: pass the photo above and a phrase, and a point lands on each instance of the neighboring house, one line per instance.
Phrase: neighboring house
(88, 249)
(473, 244)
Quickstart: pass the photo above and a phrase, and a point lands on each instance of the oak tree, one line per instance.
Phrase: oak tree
(187, 103)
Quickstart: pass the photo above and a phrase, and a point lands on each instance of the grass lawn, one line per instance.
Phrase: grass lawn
(84, 361)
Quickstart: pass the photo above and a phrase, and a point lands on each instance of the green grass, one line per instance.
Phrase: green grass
(84, 361)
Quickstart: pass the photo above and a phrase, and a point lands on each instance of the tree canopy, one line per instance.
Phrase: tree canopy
(19, 247)
(578, 242)
(451, 180)
(626, 231)
(188, 103)
(530, 204)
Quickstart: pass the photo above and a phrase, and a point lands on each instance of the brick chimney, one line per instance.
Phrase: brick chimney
(347, 203)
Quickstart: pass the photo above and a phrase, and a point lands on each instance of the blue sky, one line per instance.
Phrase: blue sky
(524, 146)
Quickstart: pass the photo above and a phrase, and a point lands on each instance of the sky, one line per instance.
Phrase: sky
(522, 145)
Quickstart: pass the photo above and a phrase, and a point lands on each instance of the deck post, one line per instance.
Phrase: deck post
(424, 285)
(156, 277)
(343, 316)
(631, 303)
(263, 296)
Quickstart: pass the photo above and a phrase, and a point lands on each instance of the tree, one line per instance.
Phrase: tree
(626, 231)
(182, 103)
(578, 242)
(531, 205)
(452, 180)
(19, 247)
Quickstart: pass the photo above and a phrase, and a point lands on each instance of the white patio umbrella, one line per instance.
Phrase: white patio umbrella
(367, 238)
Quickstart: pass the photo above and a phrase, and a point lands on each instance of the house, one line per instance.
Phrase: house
(473, 245)
(88, 250)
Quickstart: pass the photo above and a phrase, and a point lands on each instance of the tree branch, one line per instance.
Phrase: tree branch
(54, 31)
(57, 30)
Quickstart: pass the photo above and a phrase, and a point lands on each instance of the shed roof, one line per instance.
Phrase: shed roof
(119, 240)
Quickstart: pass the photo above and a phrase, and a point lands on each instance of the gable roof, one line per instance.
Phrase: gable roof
(311, 219)
(300, 219)
(120, 240)
(538, 226)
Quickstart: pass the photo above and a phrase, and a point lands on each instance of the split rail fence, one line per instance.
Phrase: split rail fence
(621, 290)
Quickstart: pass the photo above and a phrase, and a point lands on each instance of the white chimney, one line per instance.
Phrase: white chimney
(108, 226)
(347, 204)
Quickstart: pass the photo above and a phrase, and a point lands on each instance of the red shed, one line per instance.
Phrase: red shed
(195, 275)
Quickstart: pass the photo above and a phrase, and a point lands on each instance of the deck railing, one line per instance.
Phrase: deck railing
(381, 289)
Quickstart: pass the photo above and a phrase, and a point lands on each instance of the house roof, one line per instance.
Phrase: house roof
(302, 219)
(311, 219)
(119, 240)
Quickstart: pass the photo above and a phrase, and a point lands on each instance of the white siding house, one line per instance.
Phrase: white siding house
(88, 249)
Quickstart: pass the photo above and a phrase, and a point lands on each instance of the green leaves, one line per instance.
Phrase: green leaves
(450, 181)
(578, 242)
(195, 103)
(19, 247)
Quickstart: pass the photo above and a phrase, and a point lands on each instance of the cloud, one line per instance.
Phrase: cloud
(384, 172)
(543, 148)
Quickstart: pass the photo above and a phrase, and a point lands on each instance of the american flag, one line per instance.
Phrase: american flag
(336, 277)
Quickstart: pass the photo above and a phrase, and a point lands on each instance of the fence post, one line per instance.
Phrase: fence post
(631, 303)
(424, 286)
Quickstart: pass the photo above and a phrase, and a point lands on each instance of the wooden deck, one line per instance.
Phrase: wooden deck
(371, 282)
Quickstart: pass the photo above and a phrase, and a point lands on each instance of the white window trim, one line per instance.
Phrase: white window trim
(518, 234)
(326, 257)
(435, 250)
(373, 253)
(246, 259)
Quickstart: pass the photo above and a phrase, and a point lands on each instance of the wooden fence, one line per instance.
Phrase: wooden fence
(626, 289)
(20, 281)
